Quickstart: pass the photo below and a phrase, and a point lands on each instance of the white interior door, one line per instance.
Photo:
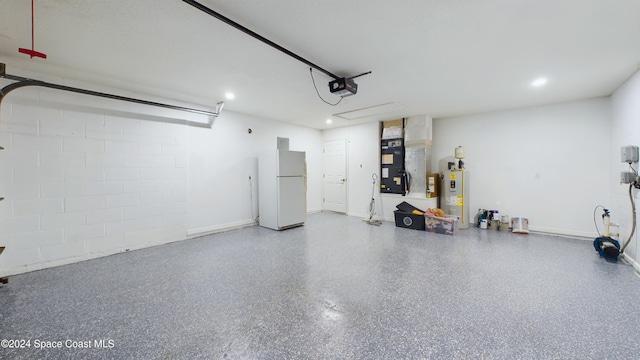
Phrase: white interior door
(335, 176)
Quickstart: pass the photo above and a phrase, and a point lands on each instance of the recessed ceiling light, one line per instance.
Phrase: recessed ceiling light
(229, 96)
(329, 121)
(539, 82)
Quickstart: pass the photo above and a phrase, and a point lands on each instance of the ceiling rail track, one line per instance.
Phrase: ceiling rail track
(253, 34)
(24, 82)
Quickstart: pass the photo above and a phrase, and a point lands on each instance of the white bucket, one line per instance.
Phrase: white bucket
(520, 225)
(483, 224)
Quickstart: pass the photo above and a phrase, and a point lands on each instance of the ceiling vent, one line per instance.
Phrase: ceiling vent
(372, 111)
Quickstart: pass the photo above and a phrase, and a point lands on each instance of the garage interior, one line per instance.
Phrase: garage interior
(133, 219)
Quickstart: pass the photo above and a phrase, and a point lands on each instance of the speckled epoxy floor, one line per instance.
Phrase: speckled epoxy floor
(335, 288)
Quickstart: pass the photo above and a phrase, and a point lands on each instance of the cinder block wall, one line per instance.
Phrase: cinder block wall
(84, 177)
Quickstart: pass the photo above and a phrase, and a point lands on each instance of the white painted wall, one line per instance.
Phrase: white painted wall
(625, 130)
(541, 163)
(222, 158)
(85, 177)
(549, 164)
(363, 152)
(363, 159)
(82, 179)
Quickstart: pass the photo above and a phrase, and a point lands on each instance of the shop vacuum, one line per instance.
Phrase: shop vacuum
(606, 245)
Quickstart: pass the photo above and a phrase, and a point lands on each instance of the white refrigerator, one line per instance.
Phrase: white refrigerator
(282, 189)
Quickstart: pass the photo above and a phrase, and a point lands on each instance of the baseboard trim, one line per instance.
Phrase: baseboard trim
(84, 257)
(366, 216)
(198, 232)
(563, 232)
(632, 262)
(208, 230)
(536, 229)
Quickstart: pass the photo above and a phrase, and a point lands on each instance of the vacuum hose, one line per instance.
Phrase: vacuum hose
(633, 227)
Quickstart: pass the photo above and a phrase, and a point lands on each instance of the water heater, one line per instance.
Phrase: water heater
(455, 195)
(455, 190)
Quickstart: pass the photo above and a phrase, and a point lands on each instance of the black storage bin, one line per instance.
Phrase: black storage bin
(409, 220)
(406, 207)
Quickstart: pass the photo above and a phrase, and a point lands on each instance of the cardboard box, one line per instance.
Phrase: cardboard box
(433, 185)
(409, 220)
(441, 225)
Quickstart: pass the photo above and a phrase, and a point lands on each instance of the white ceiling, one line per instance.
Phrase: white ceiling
(436, 57)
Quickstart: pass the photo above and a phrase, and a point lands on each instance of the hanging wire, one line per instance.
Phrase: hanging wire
(317, 92)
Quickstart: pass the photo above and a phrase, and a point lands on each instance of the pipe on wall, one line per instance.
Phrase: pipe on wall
(24, 82)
